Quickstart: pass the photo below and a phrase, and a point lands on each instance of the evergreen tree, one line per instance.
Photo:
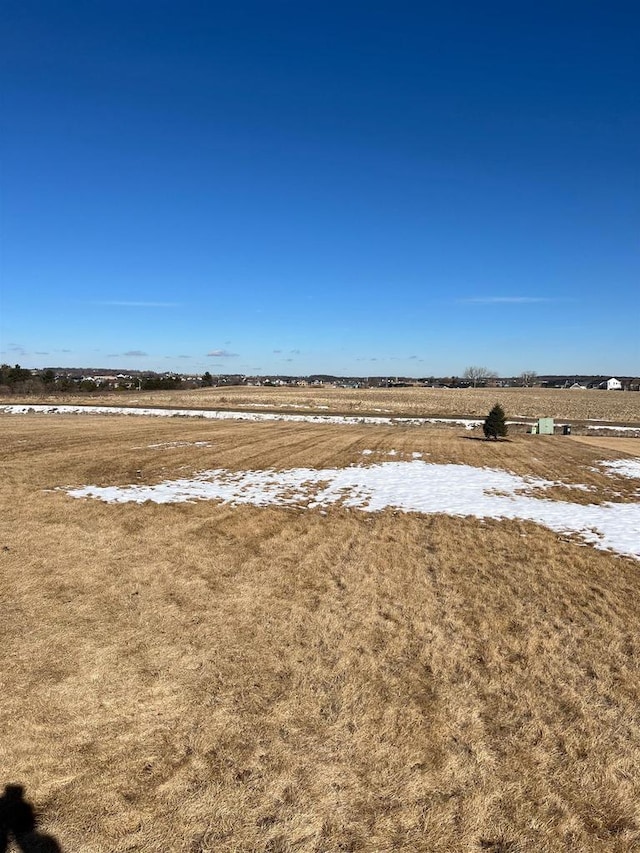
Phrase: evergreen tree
(494, 424)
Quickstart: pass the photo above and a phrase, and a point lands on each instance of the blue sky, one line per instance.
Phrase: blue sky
(350, 188)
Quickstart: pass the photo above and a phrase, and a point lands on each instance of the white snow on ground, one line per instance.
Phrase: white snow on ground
(415, 486)
(23, 409)
(625, 467)
(635, 430)
(180, 444)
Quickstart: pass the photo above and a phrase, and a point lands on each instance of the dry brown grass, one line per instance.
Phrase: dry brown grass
(199, 677)
(616, 407)
(621, 445)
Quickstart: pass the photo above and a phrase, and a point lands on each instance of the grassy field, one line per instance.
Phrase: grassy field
(201, 677)
(616, 407)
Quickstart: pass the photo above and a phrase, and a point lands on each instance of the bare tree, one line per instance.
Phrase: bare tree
(478, 374)
(528, 377)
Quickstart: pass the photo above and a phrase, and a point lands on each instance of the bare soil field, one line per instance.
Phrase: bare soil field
(200, 676)
(612, 406)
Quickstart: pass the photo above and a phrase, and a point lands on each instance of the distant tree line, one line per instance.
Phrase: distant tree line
(13, 376)
(160, 383)
(20, 380)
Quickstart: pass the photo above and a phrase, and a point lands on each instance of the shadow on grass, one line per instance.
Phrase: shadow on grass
(488, 440)
(18, 823)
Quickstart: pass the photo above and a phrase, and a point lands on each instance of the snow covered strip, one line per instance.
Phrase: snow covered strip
(633, 431)
(218, 415)
(416, 486)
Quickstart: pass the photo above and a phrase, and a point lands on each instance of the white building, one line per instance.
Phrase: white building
(614, 384)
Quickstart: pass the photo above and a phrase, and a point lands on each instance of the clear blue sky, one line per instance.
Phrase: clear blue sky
(354, 188)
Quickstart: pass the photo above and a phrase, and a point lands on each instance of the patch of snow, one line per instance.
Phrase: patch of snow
(213, 414)
(416, 486)
(632, 429)
(624, 467)
(180, 444)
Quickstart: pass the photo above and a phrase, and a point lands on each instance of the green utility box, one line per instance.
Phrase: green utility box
(545, 426)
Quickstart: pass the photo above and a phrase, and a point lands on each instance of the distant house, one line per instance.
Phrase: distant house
(577, 387)
(614, 384)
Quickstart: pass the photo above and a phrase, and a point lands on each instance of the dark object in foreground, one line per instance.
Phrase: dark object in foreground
(494, 424)
(18, 822)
